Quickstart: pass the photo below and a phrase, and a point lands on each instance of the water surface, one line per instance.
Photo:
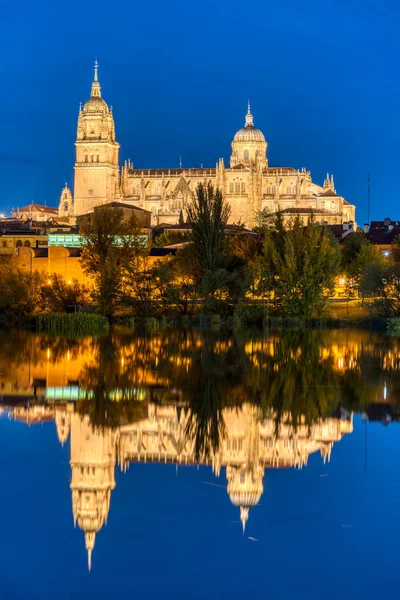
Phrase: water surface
(189, 464)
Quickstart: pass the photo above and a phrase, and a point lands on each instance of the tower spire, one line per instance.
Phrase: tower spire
(244, 515)
(249, 116)
(96, 91)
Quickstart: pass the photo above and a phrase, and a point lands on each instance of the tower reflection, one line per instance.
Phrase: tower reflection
(252, 443)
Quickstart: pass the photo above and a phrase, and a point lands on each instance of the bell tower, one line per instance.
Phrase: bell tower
(96, 164)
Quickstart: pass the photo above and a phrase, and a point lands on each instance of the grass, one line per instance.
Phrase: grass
(72, 324)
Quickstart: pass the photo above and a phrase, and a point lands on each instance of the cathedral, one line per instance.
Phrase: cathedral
(249, 184)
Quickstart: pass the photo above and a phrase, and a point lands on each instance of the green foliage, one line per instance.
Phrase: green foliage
(247, 313)
(72, 325)
(111, 245)
(58, 295)
(208, 215)
(396, 249)
(301, 264)
(20, 296)
(383, 284)
(357, 254)
(393, 325)
(169, 238)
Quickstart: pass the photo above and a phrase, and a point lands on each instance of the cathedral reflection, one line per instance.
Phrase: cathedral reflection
(241, 405)
(252, 443)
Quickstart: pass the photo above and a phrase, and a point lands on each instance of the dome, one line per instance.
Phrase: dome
(249, 133)
(95, 105)
(241, 498)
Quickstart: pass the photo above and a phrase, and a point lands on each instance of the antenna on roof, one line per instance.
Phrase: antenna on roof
(180, 161)
(369, 196)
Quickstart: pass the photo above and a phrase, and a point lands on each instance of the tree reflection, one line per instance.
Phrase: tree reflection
(299, 376)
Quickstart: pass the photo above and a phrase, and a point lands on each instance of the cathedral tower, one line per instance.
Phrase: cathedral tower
(93, 459)
(66, 206)
(96, 165)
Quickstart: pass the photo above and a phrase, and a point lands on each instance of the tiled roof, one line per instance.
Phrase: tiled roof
(329, 193)
(38, 208)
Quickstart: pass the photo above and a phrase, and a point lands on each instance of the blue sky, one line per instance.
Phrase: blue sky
(322, 77)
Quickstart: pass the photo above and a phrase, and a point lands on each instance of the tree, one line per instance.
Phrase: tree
(305, 266)
(208, 215)
(62, 296)
(396, 249)
(20, 293)
(357, 254)
(110, 245)
(382, 282)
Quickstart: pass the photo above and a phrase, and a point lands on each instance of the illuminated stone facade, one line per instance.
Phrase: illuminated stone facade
(250, 445)
(249, 184)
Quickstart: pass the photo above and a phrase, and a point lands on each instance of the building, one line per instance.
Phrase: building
(36, 212)
(251, 445)
(249, 184)
(12, 240)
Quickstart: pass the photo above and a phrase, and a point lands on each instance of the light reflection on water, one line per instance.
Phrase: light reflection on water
(243, 405)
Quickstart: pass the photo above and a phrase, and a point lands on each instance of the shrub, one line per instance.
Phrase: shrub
(72, 324)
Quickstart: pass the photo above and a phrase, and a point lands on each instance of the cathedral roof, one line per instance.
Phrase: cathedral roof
(38, 208)
(329, 193)
(96, 104)
(249, 133)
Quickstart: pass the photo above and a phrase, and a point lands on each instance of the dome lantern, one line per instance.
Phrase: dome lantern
(249, 145)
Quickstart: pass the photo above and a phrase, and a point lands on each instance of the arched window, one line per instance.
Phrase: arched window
(27, 244)
(86, 157)
(65, 206)
(288, 189)
(268, 189)
(4, 244)
(273, 189)
(18, 244)
(243, 187)
(237, 187)
(98, 158)
(246, 155)
(231, 188)
(91, 158)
